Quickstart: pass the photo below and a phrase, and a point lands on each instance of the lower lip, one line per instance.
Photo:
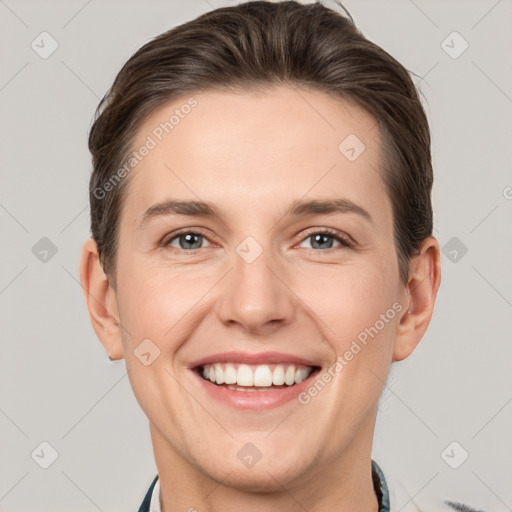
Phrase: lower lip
(255, 400)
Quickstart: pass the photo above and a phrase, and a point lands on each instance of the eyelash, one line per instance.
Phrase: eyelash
(343, 239)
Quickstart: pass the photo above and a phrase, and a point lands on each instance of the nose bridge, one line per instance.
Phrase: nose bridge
(254, 295)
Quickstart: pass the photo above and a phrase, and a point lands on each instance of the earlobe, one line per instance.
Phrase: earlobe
(101, 301)
(422, 287)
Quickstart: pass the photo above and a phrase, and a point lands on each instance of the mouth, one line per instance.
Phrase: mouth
(254, 381)
(253, 387)
(255, 378)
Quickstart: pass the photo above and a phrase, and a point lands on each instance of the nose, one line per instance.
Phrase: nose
(256, 295)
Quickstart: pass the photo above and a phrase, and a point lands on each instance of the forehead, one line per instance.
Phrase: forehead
(250, 149)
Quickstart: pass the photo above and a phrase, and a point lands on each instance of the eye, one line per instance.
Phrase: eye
(186, 240)
(323, 239)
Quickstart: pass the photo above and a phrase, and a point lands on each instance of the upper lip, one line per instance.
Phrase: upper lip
(253, 358)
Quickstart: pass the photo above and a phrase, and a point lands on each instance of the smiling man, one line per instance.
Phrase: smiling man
(261, 253)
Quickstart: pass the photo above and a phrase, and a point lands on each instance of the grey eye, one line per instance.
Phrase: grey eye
(187, 241)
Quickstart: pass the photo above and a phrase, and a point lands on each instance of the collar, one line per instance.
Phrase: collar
(381, 487)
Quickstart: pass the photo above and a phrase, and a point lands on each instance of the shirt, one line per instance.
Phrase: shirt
(388, 497)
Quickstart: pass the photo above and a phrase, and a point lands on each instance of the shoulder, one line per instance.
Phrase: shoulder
(431, 497)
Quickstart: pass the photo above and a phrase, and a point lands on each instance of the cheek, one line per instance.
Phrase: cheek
(157, 302)
(352, 295)
(359, 306)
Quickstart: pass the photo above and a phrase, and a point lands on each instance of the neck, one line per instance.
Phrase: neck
(341, 484)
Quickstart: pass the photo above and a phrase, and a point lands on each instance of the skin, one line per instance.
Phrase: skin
(252, 155)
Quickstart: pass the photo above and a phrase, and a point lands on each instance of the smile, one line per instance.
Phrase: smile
(263, 377)
(254, 381)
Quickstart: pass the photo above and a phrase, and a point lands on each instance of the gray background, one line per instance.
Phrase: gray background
(56, 382)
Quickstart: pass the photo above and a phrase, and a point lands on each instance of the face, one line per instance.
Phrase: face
(281, 284)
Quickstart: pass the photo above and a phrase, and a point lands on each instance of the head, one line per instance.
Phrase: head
(261, 186)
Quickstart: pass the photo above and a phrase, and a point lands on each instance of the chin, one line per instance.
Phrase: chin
(263, 478)
(270, 473)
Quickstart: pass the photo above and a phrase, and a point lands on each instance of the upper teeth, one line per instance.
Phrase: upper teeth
(263, 375)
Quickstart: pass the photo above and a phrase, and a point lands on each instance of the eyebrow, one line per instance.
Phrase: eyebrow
(297, 208)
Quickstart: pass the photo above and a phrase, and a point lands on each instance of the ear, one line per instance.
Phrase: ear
(419, 298)
(101, 301)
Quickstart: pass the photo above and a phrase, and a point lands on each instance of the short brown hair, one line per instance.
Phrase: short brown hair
(255, 45)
